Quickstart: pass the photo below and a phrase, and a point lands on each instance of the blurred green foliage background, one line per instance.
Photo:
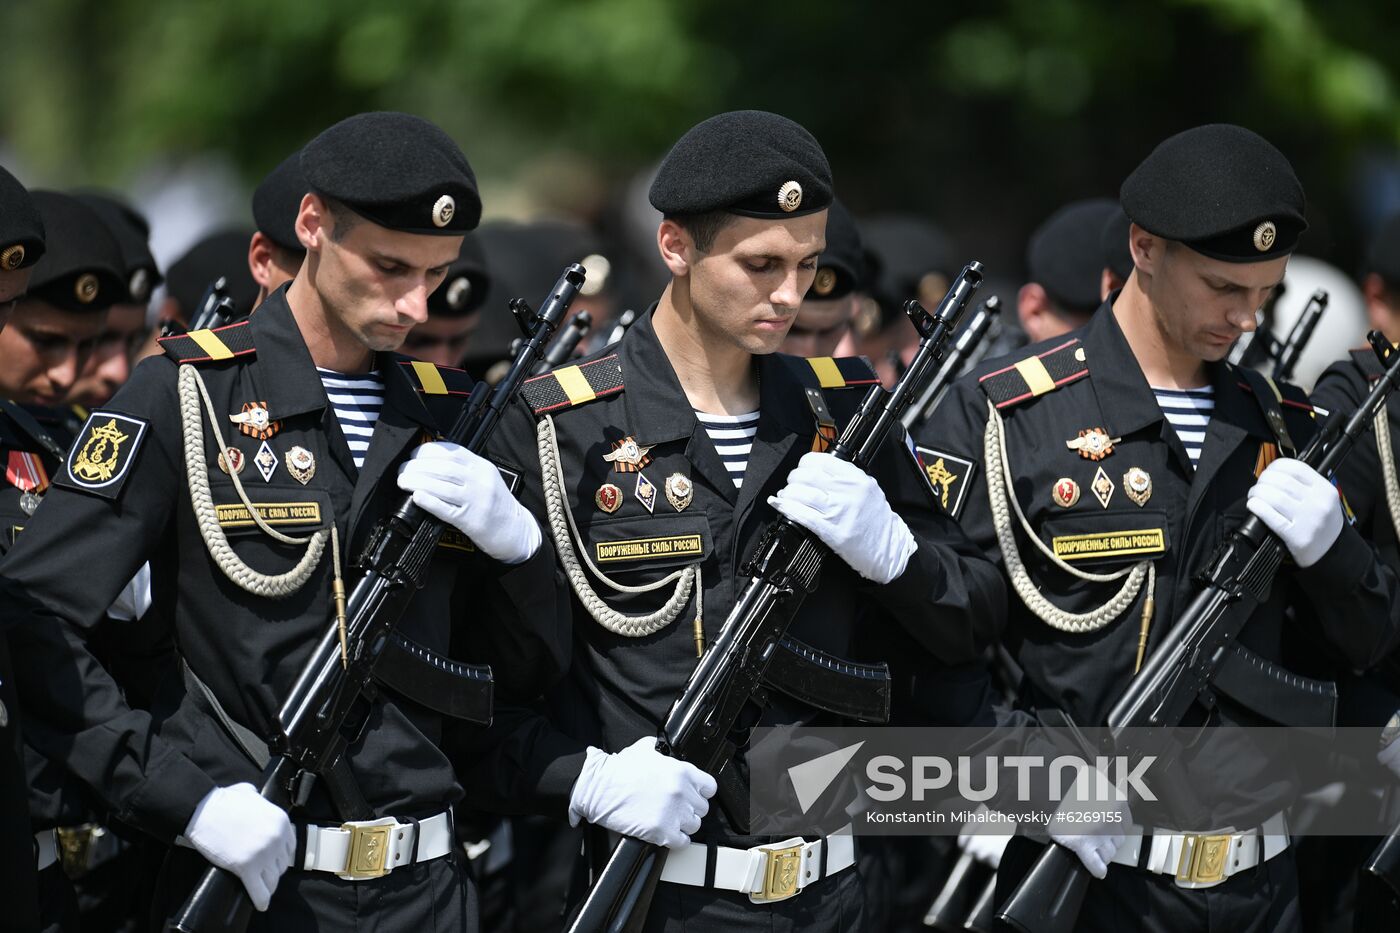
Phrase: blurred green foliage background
(983, 117)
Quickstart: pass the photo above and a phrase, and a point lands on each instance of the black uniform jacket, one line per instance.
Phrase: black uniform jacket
(1344, 603)
(950, 599)
(1367, 700)
(95, 529)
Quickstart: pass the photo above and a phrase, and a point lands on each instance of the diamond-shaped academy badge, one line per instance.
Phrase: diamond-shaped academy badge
(1102, 487)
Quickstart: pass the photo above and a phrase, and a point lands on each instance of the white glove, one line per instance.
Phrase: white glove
(135, 598)
(1389, 755)
(1098, 829)
(239, 831)
(642, 793)
(1300, 506)
(466, 491)
(986, 848)
(843, 506)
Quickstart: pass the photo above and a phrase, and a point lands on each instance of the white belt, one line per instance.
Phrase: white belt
(373, 848)
(1203, 860)
(765, 873)
(45, 849)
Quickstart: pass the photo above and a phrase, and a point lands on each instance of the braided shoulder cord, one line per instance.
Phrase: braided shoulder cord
(191, 389)
(998, 468)
(561, 525)
(1387, 455)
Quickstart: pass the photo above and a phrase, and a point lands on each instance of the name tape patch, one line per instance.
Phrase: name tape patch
(664, 547)
(1109, 544)
(235, 515)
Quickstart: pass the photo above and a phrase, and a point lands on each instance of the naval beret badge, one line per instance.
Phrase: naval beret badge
(790, 196)
(825, 282)
(12, 257)
(444, 210)
(1264, 236)
(458, 292)
(85, 288)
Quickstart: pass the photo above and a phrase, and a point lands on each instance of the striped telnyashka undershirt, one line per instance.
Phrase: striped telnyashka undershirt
(733, 437)
(1188, 411)
(356, 401)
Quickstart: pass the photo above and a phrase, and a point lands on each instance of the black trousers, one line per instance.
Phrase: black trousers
(832, 905)
(430, 897)
(1262, 900)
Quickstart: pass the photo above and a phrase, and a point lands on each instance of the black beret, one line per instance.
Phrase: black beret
(21, 228)
(1065, 254)
(1220, 189)
(909, 253)
(396, 170)
(747, 162)
(464, 288)
(82, 268)
(1117, 256)
(842, 267)
(277, 201)
(133, 234)
(224, 253)
(1383, 255)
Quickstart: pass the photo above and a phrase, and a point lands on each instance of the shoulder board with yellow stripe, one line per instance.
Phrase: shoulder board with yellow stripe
(1036, 375)
(832, 372)
(205, 346)
(568, 386)
(1286, 394)
(431, 379)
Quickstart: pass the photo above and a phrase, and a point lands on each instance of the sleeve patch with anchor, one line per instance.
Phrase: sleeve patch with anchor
(100, 460)
(949, 475)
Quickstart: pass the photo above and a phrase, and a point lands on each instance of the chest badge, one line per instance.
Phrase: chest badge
(255, 421)
(266, 462)
(646, 492)
(608, 498)
(628, 456)
(301, 463)
(679, 491)
(1103, 487)
(1093, 443)
(232, 461)
(1066, 492)
(1137, 484)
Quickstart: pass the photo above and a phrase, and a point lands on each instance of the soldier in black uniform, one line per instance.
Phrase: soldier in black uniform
(21, 246)
(77, 280)
(274, 252)
(1064, 270)
(656, 463)
(248, 465)
(1102, 469)
(109, 366)
(445, 337)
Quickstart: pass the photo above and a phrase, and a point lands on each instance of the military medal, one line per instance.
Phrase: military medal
(301, 464)
(1137, 483)
(1093, 443)
(266, 462)
(628, 456)
(25, 471)
(1066, 492)
(232, 461)
(645, 492)
(679, 491)
(608, 498)
(255, 422)
(1103, 487)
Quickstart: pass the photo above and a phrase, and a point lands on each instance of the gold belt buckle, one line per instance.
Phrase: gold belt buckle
(369, 850)
(1203, 858)
(75, 847)
(782, 869)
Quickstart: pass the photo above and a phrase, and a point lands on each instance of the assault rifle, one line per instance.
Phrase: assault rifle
(564, 345)
(328, 704)
(967, 350)
(216, 309)
(782, 571)
(1291, 350)
(1195, 659)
